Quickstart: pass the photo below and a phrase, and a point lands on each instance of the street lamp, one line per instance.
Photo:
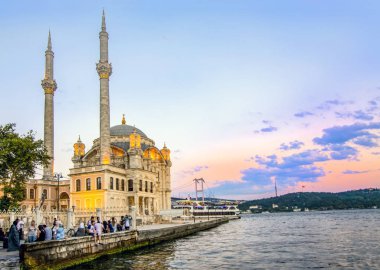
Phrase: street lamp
(58, 176)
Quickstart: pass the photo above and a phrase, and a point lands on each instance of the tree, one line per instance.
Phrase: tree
(20, 155)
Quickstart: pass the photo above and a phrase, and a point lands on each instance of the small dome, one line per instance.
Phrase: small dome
(125, 130)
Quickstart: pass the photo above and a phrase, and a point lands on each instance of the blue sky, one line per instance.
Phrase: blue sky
(219, 81)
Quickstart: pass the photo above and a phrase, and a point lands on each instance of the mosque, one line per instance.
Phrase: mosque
(123, 167)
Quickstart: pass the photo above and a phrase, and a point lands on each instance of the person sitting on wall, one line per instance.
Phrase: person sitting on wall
(60, 232)
(32, 233)
(110, 227)
(126, 224)
(48, 233)
(14, 237)
(119, 226)
(105, 227)
(81, 231)
(41, 234)
(91, 228)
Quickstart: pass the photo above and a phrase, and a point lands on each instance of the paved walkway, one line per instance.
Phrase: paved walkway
(9, 260)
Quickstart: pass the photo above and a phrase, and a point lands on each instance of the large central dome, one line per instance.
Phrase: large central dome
(125, 130)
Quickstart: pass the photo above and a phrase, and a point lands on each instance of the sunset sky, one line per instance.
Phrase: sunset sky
(243, 92)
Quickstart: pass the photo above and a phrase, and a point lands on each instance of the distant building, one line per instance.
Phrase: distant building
(255, 207)
(274, 206)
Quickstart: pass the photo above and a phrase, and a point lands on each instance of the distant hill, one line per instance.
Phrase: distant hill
(363, 198)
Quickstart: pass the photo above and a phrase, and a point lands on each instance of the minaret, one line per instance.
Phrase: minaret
(49, 85)
(104, 70)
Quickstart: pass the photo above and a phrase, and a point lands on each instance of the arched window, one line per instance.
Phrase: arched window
(151, 187)
(44, 193)
(146, 186)
(31, 193)
(99, 183)
(117, 183)
(122, 184)
(111, 182)
(130, 185)
(140, 186)
(88, 184)
(78, 184)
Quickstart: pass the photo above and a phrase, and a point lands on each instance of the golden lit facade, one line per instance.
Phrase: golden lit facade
(138, 174)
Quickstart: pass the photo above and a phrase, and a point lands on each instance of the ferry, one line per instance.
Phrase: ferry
(200, 208)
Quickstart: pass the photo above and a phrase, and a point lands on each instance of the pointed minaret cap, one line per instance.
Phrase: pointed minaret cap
(49, 47)
(79, 140)
(165, 145)
(103, 21)
(123, 122)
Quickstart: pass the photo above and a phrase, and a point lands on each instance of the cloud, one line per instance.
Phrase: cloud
(341, 152)
(303, 114)
(288, 171)
(194, 170)
(367, 141)
(268, 129)
(328, 104)
(358, 115)
(291, 145)
(343, 134)
(354, 172)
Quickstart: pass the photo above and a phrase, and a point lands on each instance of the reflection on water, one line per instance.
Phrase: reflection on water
(332, 240)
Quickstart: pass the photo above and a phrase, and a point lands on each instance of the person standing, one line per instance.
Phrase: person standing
(20, 229)
(98, 231)
(32, 233)
(14, 237)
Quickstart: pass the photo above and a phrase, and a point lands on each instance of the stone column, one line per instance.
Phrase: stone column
(99, 213)
(143, 206)
(70, 216)
(38, 216)
(133, 214)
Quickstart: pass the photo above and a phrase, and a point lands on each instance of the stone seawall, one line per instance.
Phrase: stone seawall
(61, 254)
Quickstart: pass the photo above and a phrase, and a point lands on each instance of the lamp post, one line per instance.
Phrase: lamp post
(58, 176)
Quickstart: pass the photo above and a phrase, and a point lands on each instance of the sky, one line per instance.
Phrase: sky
(245, 93)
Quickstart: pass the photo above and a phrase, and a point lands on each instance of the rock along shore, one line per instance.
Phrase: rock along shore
(74, 251)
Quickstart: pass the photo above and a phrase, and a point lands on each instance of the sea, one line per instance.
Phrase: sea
(344, 239)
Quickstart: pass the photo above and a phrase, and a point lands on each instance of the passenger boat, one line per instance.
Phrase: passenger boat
(200, 208)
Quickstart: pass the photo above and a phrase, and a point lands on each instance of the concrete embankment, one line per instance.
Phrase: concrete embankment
(69, 252)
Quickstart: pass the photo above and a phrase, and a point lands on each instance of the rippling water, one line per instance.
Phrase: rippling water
(331, 239)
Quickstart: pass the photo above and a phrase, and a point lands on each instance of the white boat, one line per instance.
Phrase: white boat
(200, 208)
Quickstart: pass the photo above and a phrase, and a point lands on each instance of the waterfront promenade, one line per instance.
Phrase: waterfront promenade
(60, 254)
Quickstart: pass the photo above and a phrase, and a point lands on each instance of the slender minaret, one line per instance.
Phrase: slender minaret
(104, 70)
(49, 85)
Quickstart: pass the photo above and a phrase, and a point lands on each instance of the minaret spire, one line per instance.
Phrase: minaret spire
(104, 70)
(49, 85)
(49, 47)
(103, 22)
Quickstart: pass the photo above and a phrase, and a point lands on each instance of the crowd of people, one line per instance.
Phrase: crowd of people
(94, 228)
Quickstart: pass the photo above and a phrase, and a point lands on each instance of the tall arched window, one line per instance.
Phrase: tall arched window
(78, 184)
(151, 187)
(99, 183)
(31, 194)
(140, 186)
(122, 184)
(88, 184)
(111, 182)
(130, 185)
(146, 186)
(117, 184)
(44, 193)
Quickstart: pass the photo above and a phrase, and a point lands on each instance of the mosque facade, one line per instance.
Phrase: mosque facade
(123, 167)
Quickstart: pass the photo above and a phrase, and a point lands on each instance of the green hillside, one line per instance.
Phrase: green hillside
(360, 199)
